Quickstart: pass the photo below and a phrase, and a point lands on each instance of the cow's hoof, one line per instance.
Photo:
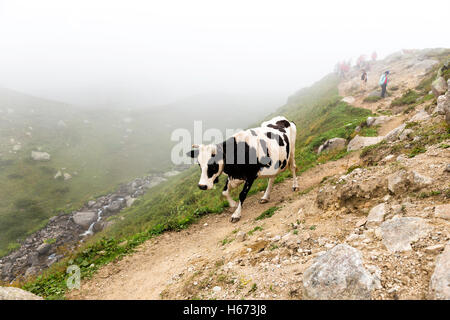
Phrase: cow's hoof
(294, 189)
(263, 201)
(234, 219)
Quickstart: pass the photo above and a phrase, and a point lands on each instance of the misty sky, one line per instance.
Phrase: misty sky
(82, 50)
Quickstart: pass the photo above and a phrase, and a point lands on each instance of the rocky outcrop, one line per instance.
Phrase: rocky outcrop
(440, 280)
(402, 180)
(332, 144)
(359, 142)
(11, 293)
(439, 86)
(338, 274)
(394, 133)
(398, 233)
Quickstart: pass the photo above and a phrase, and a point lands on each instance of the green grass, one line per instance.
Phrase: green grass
(267, 214)
(319, 115)
(372, 99)
(409, 97)
(257, 228)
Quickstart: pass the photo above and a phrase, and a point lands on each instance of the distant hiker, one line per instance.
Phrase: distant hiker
(363, 80)
(374, 56)
(383, 83)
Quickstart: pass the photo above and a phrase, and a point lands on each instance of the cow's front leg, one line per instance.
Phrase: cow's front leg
(266, 195)
(237, 214)
(226, 193)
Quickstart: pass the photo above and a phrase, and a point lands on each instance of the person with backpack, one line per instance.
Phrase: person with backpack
(363, 80)
(383, 83)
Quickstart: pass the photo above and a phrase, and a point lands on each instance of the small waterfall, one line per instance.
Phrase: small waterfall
(90, 230)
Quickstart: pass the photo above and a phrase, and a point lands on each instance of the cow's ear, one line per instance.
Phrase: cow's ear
(192, 153)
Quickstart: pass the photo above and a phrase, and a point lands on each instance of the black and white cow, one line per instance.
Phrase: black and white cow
(261, 152)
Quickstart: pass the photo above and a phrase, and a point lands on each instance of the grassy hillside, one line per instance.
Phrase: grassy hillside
(98, 148)
(319, 115)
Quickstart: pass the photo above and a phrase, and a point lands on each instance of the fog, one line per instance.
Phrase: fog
(129, 52)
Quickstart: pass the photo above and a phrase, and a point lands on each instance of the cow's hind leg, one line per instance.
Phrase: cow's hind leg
(266, 195)
(293, 169)
(226, 193)
(237, 214)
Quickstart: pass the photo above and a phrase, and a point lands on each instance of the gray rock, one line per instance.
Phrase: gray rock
(40, 156)
(338, 274)
(406, 134)
(422, 115)
(443, 103)
(332, 144)
(439, 86)
(84, 219)
(395, 133)
(359, 142)
(442, 211)
(374, 121)
(398, 182)
(440, 280)
(420, 181)
(98, 226)
(11, 293)
(376, 215)
(398, 233)
(44, 248)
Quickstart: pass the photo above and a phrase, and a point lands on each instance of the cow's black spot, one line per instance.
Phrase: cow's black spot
(213, 167)
(276, 137)
(277, 164)
(240, 160)
(265, 160)
(284, 164)
(283, 123)
(193, 153)
(287, 145)
(276, 127)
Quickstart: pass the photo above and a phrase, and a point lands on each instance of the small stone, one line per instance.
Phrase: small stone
(434, 249)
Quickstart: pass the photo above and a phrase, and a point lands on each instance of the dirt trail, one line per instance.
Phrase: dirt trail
(144, 274)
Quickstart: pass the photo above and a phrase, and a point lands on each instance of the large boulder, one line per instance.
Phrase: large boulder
(338, 274)
(440, 280)
(11, 293)
(332, 144)
(439, 86)
(359, 142)
(443, 103)
(85, 219)
(40, 156)
(399, 232)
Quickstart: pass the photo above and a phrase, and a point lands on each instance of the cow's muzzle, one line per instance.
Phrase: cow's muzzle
(203, 187)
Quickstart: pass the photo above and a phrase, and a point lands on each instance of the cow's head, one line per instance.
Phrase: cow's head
(210, 159)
